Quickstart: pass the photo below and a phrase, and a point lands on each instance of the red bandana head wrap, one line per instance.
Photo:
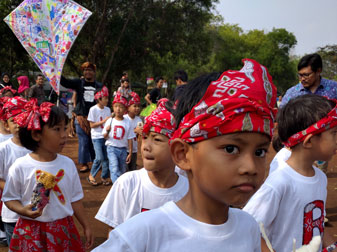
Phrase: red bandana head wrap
(324, 124)
(120, 99)
(134, 99)
(239, 101)
(13, 107)
(3, 100)
(7, 88)
(30, 118)
(160, 121)
(103, 93)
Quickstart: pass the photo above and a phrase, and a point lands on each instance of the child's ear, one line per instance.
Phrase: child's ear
(179, 153)
(36, 135)
(6, 126)
(307, 143)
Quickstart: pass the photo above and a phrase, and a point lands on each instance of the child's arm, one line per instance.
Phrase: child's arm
(97, 124)
(2, 184)
(128, 158)
(16, 206)
(106, 132)
(80, 216)
(147, 98)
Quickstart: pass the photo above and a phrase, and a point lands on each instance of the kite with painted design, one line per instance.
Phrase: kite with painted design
(47, 29)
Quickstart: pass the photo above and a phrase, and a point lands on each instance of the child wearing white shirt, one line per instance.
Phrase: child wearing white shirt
(151, 187)
(118, 134)
(97, 117)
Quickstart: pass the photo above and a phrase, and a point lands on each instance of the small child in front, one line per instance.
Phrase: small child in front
(154, 185)
(224, 131)
(291, 202)
(43, 187)
(119, 135)
(97, 117)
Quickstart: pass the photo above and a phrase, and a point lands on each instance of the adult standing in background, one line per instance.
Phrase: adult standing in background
(5, 80)
(181, 79)
(23, 86)
(37, 91)
(309, 74)
(85, 90)
(154, 96)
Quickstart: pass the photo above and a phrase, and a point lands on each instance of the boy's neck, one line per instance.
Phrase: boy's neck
(132, 115)
(100, 106)
(16, 140)
(164, 178)
(43, 156)
(119, 118)
(301, 161)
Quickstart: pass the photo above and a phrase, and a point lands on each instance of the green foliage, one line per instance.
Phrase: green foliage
(329, 57)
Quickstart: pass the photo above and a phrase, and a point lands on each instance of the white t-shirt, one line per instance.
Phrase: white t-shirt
(168, 229)
(282, 156)
(9, 152)
(289, 205)
(120, 132)
(5, 137)
(134, 192)
(95, 115)
(22, 179)
(134, 122)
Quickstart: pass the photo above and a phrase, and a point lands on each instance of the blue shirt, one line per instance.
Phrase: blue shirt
(326, 88)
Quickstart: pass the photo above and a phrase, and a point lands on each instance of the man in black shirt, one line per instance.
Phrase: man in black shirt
(154, 96)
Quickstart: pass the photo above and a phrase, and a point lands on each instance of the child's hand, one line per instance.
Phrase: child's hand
(108, 128)
(107, 118)
(33, 214)
(89, 237)
(128, 158)
(139, 130)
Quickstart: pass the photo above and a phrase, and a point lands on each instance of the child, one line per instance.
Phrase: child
(135, 121)
(119, 135)
(10, 150)
(4, 133)
(124, 89)
(46, 224)
(291, 202)
(151, 187)
(221, 142)
(7, 92)
(98, 115)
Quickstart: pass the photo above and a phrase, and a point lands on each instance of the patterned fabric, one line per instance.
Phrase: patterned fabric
(30, 118)
(103, 93)
(3, 90)
(3, 100)
(160, 121)
(135, 99)
(59, 235)
(120, 99)
(13, 107)
(327, 88)
(238, 101)
(324, 124)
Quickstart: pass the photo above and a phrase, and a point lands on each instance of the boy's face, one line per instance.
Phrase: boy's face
(325, 144)
(134, 109)
(155, 152)
(119, 109)
(229, 169)
(8, 94)
(11, 126)
(125, 84)
(104, 101)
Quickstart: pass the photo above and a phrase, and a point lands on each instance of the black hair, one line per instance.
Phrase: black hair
(5, 92)
(57, 115)
(300, 113)
(182, 75)
(39, 75)
(190, 95)
(313, 60)
(124, 79)
(158, 79)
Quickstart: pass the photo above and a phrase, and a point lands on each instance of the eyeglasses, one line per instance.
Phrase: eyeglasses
(304, 75)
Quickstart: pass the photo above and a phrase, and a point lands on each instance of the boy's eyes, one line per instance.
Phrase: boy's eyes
(261, 152)
(231, 149)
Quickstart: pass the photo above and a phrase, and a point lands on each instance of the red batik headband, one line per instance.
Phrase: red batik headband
(103, 93)
(120, 99)
(134, 99)
(3, 100)
(160, 121)
(239, 101)
(13, 107)
(30, 118)
(322, 125)
(7, 88)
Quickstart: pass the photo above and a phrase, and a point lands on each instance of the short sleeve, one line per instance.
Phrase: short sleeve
(91, 115)
(77, 191)
(113, 210)
(108, 122)
(2, 163)
(12, 190)
(115, 242)
(131, 134)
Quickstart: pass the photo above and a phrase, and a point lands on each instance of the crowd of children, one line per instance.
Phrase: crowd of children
(204, 159)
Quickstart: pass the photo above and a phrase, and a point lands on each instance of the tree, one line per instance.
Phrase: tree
(329, 57)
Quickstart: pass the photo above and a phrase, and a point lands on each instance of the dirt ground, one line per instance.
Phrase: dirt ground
(94, 196)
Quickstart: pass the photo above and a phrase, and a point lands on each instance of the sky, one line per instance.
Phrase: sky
(314, 23)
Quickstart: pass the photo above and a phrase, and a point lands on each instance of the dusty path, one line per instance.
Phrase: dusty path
(94, 196)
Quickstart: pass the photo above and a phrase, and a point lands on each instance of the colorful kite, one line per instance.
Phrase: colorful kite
(47, 29)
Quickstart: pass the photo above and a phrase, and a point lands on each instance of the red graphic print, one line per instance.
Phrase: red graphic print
(309, 223)
(119, 134)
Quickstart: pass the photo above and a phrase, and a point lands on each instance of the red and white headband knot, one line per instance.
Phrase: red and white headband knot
(135, 99)
(322, 125)
(119, 98)
(12, 107)
(103, 93)
(239, 101)
(7, 88)
(160, 121)
(30, 118)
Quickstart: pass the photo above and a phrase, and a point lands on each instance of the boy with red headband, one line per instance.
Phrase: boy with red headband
(97, 117)
(119, 135)
(224, 130)
(155, 184)
(291, 202)
(10, 150)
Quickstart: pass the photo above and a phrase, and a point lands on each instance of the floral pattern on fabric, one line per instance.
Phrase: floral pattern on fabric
(13, 107)
(135, 99)
(103, 93)
(120, 99)
(7, 88)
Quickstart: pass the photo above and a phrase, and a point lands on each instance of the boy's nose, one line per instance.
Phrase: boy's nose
(249, 165)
